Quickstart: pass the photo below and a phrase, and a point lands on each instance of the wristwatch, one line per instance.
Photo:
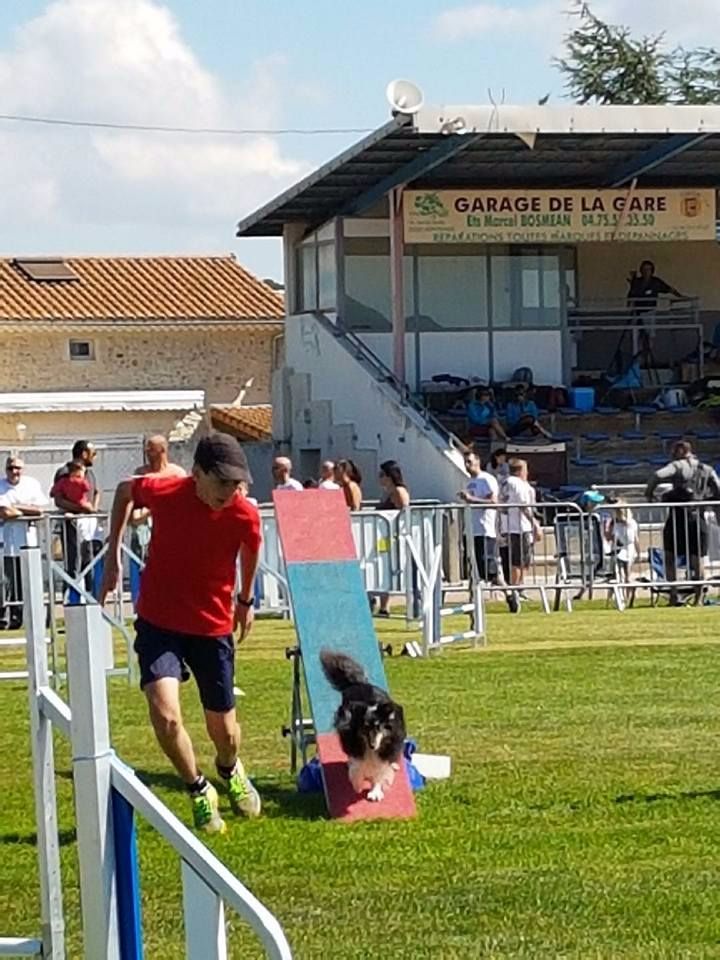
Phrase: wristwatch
(244, 603)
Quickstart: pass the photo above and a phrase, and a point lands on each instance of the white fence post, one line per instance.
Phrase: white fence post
(53, 924)
(204, 912)
(87, 659)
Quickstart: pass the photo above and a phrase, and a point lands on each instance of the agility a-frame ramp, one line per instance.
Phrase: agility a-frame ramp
(331, 611)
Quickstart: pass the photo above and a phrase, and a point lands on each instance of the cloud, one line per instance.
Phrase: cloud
(544, 23)
(479, 19)
(126, 61)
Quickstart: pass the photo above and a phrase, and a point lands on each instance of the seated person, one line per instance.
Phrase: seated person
(522, 415)
(482, 416)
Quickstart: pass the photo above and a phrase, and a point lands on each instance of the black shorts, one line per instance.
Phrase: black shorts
(211, 660)
(520, 549)
(685, 533)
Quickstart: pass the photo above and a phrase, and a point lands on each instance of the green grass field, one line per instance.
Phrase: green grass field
(582, 819)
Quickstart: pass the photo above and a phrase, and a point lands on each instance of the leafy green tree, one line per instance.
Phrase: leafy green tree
(604, 63)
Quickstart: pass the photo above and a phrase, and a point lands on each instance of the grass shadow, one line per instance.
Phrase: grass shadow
(280, 801)
(680, 795)
(285, 802)
(65, 837)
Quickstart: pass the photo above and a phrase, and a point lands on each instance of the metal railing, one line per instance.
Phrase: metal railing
(639, 321)
(107, 793)
(404, 395)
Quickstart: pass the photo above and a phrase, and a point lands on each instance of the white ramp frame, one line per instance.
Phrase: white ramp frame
(90, 730)
(43, 758)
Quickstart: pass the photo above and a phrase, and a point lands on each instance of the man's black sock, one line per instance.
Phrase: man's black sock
(226, 772)
(198, 786)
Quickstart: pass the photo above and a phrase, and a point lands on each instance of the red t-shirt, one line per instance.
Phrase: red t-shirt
(188, 582)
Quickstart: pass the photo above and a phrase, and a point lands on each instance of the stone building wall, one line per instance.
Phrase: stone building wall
(216, 360)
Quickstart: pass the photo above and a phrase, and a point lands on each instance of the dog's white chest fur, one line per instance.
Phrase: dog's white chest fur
(372, 771)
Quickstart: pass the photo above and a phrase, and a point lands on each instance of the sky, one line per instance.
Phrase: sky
(259, 64)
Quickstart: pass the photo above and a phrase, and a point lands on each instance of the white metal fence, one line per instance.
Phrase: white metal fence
(107, 794)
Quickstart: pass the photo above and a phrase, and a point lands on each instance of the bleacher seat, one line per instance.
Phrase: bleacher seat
(621, 461)
(703, 433)
(606, 411)
(642, 410)
(596, 436)
(633, 436)
(571, 490)
(657, 459)
(585, 462)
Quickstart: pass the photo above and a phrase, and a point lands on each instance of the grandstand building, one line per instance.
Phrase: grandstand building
(467, 242)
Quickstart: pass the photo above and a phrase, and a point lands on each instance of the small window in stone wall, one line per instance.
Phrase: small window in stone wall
(82, 349)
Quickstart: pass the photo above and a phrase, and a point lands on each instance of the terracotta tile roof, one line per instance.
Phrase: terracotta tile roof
(247, 423)
(152, 288)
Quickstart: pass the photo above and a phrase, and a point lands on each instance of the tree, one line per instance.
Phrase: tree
(604, 63)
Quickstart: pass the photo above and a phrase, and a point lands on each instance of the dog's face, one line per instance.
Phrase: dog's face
(373, 727)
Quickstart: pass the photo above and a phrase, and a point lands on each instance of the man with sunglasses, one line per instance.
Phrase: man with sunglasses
(188, 609)
(20, 496)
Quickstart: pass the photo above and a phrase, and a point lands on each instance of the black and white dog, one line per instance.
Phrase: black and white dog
(370, 725)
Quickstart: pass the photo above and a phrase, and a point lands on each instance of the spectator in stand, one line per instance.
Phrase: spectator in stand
(157, 464)
(519, 527)
(396, 497)
(327, 476)
(482, 416)
(644, 288)
(523, 416)
(20, 496)
(282, 474)
(482, 487)
(79, 544)
(348, 478)
(310, 484)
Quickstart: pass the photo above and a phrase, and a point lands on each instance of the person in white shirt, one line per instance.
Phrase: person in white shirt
(623, 533)
(518, 524)
(282, 474)
(327, 476)
(20, 496)
(482, 487)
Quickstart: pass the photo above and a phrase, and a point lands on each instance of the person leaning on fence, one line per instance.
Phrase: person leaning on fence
(396, 497)
(519, 528)
(157, 464)
(187, 613)
(349, 478)
(685, 530)
(79, 548)
(327, 476)
(20, 496)
(282, 474)
(624, 536)
(483, 488)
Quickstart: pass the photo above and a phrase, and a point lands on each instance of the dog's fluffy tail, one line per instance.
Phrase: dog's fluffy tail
(342, 671)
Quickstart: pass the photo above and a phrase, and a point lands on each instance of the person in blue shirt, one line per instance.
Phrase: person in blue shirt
(523, 416)
(482, 416)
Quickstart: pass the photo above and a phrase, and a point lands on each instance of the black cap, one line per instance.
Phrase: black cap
(222, 455)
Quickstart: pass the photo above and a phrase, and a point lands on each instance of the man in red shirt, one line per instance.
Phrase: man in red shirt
(186, 613)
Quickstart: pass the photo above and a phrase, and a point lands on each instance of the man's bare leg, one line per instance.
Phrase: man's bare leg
(224, 731)
(163, 698)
